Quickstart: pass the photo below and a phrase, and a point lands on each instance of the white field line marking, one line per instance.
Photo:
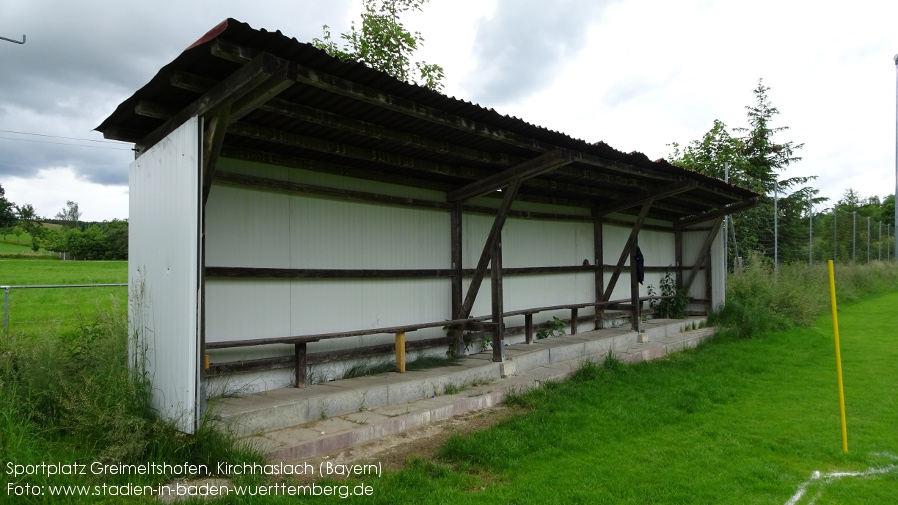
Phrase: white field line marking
(829, 477)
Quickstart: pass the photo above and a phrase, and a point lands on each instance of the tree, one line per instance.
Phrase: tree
(717, 154)
(31, 223)
(70, 215)
(7, 210)
(115, 235)
(754, 161)
(764, 156)
(383, 43)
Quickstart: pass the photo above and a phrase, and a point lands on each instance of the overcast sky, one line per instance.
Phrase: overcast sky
(636, 74)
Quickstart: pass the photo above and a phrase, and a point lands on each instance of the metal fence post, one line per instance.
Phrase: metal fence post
(6, 310)
(868, 239)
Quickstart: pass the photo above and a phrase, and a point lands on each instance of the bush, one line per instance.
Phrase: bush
(759, 302)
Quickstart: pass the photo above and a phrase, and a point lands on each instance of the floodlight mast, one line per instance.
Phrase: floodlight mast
(896, 154)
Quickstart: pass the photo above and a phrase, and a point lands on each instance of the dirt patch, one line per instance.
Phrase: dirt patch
(392, 451)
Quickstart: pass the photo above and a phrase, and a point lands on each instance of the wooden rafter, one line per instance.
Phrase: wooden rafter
(715, 213)
(545, 163)
(645, 197)
(390, 159)
(375, 131)
(259, 95)
(242, 81)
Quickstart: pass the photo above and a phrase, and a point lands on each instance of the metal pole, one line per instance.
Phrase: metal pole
(880, 241)
(726, 244)
(776, 263)
(868, 239)
(854, 237)
(6, 310)
(811, 237)
(896, 148)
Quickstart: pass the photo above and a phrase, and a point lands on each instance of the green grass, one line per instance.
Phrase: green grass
(61, 310)
(735, 421)
(72, 397)
(14, 272)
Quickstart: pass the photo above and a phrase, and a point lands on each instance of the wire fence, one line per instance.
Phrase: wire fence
(843, 236)
(59, 307)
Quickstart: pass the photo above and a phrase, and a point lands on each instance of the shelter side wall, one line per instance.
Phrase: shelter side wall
(718, 272)
(693, 241)
(162, 272)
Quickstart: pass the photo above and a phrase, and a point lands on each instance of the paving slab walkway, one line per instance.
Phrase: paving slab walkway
(291, 424)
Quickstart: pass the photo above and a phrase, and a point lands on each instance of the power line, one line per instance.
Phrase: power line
(65, 143)
(59, 137)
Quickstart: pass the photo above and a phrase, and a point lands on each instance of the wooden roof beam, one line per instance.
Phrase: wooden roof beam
(355, 126)
(154, 110)
(715, 213)
(242, 81)
(585, 193)
(645, 197)
(529, 169)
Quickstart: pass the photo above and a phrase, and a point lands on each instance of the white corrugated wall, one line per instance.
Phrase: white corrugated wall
(260, 228)
(163, 271)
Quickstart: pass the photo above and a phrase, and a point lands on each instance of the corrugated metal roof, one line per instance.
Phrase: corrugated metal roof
(351, 117)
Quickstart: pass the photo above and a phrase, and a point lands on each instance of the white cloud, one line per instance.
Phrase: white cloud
(50, 189)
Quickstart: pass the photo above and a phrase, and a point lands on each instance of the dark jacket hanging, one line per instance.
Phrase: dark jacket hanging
(640, 265)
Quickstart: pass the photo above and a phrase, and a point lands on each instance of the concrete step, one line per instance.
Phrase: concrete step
(292, 423)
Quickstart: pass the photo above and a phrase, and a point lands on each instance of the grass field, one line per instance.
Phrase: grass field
(60, 309)
(735, 421)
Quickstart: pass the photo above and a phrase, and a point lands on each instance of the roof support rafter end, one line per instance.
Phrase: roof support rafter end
(532, 168)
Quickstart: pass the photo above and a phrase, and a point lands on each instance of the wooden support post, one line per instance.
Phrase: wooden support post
(599, 257)
(457, 347)
(636, 317)
(709, 285)
(574, 321)
(299, 351)
(498, 305)
(678, 255)
(400, 352)
(528, 328)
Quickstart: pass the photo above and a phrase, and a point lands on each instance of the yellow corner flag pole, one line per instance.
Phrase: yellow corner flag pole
(832, 296)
